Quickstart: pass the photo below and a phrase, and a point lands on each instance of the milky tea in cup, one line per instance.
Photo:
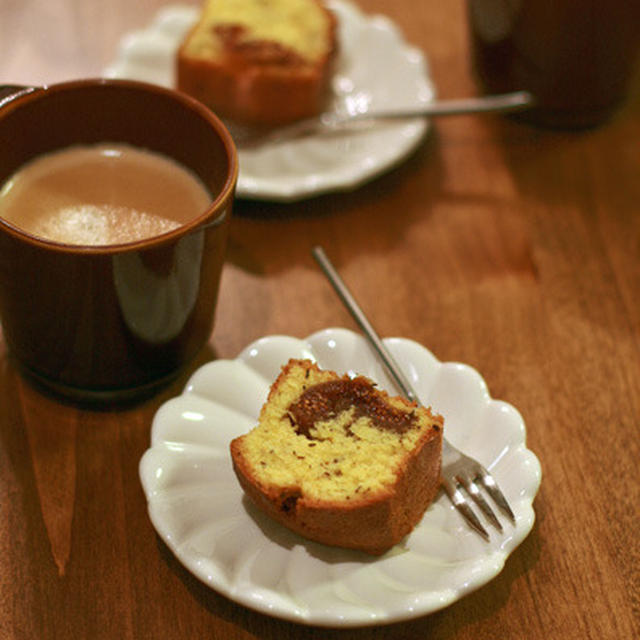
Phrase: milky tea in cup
(115, 204)
(101, 194)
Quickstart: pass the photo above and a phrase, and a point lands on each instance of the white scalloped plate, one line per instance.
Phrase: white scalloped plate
(197, 505)
(376, 69)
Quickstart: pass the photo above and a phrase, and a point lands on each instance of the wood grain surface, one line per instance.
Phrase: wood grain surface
(510, 248)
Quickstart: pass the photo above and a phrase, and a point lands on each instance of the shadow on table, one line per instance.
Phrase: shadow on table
(35, 392)
(269, 237)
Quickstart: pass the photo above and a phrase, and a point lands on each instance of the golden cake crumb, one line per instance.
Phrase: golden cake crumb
(340, 461)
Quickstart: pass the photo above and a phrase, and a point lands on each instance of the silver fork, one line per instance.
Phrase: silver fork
(461, 475)
(332, 122)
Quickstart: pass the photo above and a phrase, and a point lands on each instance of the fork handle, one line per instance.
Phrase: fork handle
(500, 103)
(359, 316)
(448, 450)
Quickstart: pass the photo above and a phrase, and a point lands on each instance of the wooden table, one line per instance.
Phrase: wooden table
(513, 249)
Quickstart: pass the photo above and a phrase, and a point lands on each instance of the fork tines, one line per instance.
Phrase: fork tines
(460, 475)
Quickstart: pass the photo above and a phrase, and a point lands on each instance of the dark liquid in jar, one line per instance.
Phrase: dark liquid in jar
(575, 56)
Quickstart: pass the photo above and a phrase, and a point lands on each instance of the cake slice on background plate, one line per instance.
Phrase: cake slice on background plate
(259, 62)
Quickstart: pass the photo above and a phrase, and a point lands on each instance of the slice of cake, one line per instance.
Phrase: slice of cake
(339, 461)
(259, 62)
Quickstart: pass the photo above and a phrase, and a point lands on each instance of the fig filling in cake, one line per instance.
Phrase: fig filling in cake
(340, 461)
(329, 399)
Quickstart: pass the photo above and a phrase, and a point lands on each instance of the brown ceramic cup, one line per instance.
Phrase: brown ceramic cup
(576, 57)
(113, 322)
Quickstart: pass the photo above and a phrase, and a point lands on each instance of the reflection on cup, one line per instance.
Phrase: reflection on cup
(575, 56)
(101, 321)
(155, 307)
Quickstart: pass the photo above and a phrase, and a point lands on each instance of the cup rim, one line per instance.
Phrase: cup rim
(208, 216)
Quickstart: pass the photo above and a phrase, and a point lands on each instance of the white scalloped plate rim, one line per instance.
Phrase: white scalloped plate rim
(299, 169)
(198, 509)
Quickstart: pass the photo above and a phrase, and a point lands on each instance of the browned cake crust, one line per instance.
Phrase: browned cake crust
(253, 78)
(372, 519)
